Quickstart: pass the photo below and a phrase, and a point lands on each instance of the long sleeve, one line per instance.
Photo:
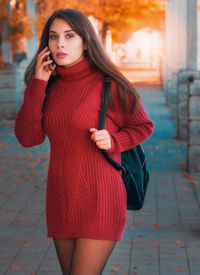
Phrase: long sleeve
(28, 124)
(133, 128)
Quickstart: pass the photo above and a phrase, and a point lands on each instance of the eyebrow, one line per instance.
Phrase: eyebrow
(64, 31)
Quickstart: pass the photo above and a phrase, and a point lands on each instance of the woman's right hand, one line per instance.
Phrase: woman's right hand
(42, 61)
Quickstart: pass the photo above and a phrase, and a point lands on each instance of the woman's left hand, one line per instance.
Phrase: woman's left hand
(101, 138)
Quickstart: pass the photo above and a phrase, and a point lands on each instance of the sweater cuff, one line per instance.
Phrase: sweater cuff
(112, 148)
(38, 83)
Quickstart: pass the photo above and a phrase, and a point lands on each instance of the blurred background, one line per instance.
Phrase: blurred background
(156, 45)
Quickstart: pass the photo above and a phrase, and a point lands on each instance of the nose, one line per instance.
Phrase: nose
(60, 43)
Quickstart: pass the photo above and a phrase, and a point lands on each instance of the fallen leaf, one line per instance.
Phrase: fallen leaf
(114, 269)
(5, 147)
(178, 241)
(189, 177)
(26, 244)
(129, 216)
(180, 269)
(29, 202)
(15, 267)
(133, 267)
(183, 164)
(177, 143)
(26, 268)
(132, 228)
(183, 246)
(156, 243)
(24, 176)
(157, 224)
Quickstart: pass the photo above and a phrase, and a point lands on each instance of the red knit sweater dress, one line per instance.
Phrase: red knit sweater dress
(85, 195)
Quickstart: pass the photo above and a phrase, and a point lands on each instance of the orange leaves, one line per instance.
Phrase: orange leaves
(156, 225)
(178, 242)
(114, 269)
(182, 245)
(177, 143)
(156, 243)
(15, 267)
(190, 178)
(5, 147)
(180, 269)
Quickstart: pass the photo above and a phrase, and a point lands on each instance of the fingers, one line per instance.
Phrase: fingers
(44, 65)
(101, 138)
(98, 134)
(47, 62)
(43, 57)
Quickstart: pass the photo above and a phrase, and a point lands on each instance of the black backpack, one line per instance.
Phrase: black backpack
(133, 162)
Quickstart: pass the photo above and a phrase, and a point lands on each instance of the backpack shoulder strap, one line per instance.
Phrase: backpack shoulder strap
(102, 117)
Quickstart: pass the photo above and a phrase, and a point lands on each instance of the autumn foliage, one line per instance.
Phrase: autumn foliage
(121, 17)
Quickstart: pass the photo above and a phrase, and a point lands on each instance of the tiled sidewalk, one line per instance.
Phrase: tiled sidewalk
(162, 238)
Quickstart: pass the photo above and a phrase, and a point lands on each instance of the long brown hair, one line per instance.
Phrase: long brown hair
(95, 53)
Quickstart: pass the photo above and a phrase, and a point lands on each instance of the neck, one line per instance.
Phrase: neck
(76, 72)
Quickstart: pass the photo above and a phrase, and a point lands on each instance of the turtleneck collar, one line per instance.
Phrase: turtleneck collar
(73, 75)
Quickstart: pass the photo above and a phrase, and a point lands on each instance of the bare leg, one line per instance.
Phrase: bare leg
(90, 256)
(64, 250)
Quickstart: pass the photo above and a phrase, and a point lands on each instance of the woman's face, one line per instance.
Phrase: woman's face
(66, 46)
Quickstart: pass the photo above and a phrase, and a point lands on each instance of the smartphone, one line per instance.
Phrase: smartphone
(50, 66)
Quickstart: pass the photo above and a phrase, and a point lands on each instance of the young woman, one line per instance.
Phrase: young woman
(85, 196)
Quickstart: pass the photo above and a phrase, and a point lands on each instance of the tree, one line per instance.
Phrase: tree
(21, 24)
(116, 16)
(121, 17)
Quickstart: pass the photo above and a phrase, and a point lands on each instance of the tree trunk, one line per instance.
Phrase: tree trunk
(103, 33)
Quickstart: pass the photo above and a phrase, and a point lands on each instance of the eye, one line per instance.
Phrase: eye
(52, 37)
(70, 35)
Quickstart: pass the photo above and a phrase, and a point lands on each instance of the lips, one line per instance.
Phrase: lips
(61, 55)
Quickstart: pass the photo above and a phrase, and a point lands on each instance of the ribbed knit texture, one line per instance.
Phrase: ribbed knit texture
(85, 195)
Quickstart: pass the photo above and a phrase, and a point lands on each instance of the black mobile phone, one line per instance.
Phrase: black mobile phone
(50, 66)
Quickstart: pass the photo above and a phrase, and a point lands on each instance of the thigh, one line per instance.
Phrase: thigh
(90, 256)
(64, 250)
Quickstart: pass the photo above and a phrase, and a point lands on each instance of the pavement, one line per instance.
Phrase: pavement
(162, 238)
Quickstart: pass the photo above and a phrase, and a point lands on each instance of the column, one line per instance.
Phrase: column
(6, 45)
(193, 146)
(193, 140)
